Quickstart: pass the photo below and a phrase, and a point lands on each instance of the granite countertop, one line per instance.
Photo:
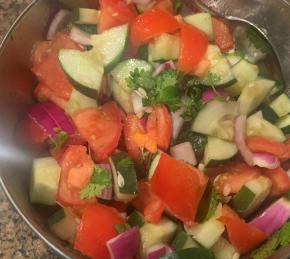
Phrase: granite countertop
(17, 241)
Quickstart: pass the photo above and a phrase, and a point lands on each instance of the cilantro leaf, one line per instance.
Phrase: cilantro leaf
(60, 138)
(258, 41)
(100, 180)
(279, 239)
(177, 5)
(121, 228)
(141, 78)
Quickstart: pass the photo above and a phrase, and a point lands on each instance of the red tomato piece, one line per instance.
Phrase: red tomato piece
(51, 74)
(159, 126)
(101, 127)
(96, 228)
(131, 127)
(148, 203)
(118, 205)
(280, 181)
(165, 5)
(180, 186)
(232, 176)
(115, 13)
(242, 236)
(76, 171)
(193, 46)
(43, 49)
(260, 144)
(222, 35)
(151, 24)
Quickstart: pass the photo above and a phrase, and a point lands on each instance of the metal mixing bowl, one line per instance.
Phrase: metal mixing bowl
(16, 87)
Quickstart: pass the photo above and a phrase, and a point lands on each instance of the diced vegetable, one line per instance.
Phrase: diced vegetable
(154, 234)
(64, 224)
(217, 119)
(125, 245)
(266, 160)
(234, 57)
(88, 79)
(59, 22)
(80, 37)
(156, 251)
(154, 165)
(269, 114)
(86, 16)
(44, 181)
(192, 253)
(183, 241)
(251, 195)
(222, 249)
(257, 126)
(163, 67)
(177, 122)
(188, 189)
(218, 150)
(245, 73)
(253, 94)
(281, 105)
(91, 241)
(111, 45)
(203, 22)
(184, 152)
(210, 94)
(87, 28)
(125, 179)
(136, 219)
(284, 124)
(274, 217)
(208, 232)
(164, 47)
(280, 181)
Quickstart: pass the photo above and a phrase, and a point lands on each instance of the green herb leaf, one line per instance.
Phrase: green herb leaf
(60, 138)
(279, 239)
(259, 42)
(177, 5)
(121, 228)
(100, 180)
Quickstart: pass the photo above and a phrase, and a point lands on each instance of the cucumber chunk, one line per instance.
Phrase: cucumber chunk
(78, 101)
(88, 28)
(154, 165)
(257, 126)
(125, 179)
(153, 234)
(111, 44)
(64, 224)
(164, 47)
(183, 241)
(136, 219)
(284, 124)
(269, 114)
(245, 73)
(218, 150)
(242, 200)
(203, 22)
(190, 253)
(222, 249)
(217, 119)
(281, 105)
(44, 181)
(86, 16)
(253, 94)
(84, 69)
(234, 58)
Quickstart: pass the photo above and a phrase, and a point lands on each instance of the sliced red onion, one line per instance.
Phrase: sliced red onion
(210, 94)
(50, 117)
(143, 122)
(240, 132)
(107, 193)
(137, 104)
(185, 152)
(273, 217)
(177, 122)
(125, 245)
(266, 160)
(60, 20)
(164, 66)
(80, 36)
(155, 252)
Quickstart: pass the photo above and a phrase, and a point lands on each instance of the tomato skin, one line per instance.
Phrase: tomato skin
(96, 228)
(131, 127)
(232, 176)
(151, 24)
(101, 127)
(165, 5)
(148, 203)
(222, 35)
(242, 236)
(280, 181)
(259, 144)
(159, 126)
(184, 181)
(193, 46)
(115, 13)
(76, 171)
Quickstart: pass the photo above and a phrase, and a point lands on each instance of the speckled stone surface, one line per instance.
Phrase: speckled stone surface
(16, 240)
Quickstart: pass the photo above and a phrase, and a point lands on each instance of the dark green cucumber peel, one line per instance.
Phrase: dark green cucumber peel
(180, 240)
(269, 114)
(56, 217)
(136, 219)
(190, 253)
(88, 28)
(242, 200)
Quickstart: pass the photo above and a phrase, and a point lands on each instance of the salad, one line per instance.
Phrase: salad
(159, 132)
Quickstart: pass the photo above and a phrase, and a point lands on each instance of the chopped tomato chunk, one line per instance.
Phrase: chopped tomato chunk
(222, 35)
